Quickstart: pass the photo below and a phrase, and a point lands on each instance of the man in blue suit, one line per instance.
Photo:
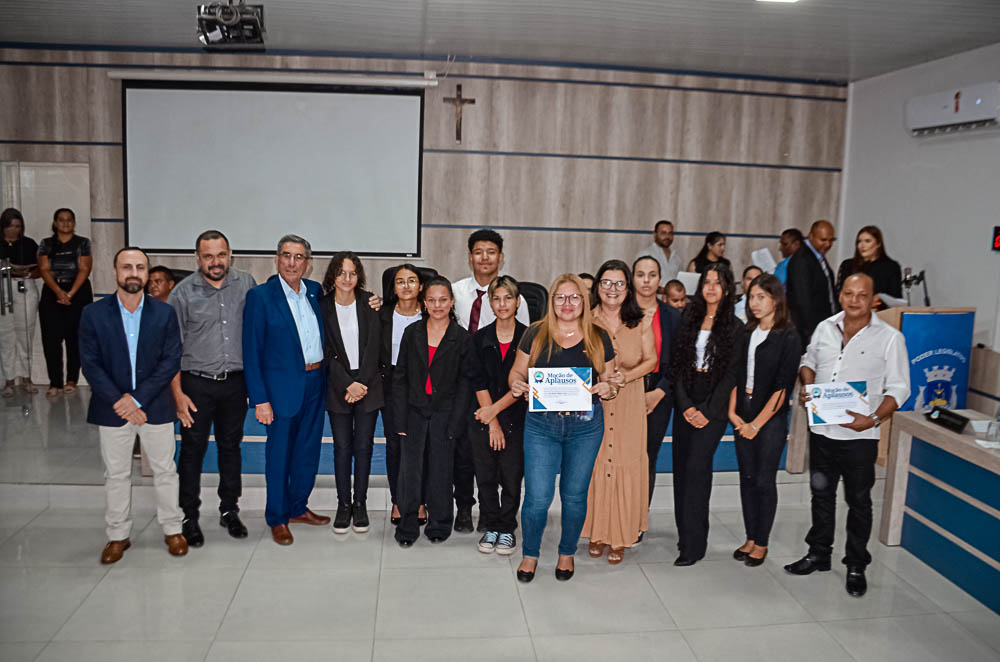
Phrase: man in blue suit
(282, 361)
(130, 349)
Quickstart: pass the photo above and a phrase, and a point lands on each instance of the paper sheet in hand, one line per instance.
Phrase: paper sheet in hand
(830, 402)
(763, 259)
(560, 389)
(690, 281)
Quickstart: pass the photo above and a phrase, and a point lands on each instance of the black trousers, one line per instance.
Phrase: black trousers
(464, 473)
(222, 405)
(425, 475)
(758, 461)
(693, 451)
(61, 324)
(353, 441)
(656, 428)
(392, 449)
(498, 475)
(829, 461)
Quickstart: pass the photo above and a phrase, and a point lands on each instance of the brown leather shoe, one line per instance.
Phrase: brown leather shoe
(309, 517)
(177, 545)
(282, 535)
(114, 551)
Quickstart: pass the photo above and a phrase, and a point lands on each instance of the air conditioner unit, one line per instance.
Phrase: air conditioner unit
(971, 107)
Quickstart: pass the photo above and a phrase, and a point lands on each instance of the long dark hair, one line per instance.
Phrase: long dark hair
(337, 266)
(630, 313)
(8, 217)
(776, 290)
(858, 262)
(391, 298)
(722, 343)
(710, 239)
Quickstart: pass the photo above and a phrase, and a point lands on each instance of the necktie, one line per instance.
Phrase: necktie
(477, 307)
(829, 284)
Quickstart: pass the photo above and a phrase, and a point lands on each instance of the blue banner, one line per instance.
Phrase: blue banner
(939, 346)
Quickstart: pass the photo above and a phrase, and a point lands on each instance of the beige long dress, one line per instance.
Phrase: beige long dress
(618, 500)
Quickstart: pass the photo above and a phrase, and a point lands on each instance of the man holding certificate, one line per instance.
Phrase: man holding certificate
(856, 371)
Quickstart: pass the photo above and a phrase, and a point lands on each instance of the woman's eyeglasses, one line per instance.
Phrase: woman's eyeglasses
(608, 284)
(571, 299)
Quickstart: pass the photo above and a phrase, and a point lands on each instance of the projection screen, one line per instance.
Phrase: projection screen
(338, 166)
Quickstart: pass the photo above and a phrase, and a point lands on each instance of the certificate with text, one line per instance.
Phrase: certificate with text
(829, 402)
(560, 389)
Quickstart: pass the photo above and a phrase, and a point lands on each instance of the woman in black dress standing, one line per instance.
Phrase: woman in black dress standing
(870, 258)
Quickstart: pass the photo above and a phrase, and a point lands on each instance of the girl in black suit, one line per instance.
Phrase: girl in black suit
(353, 384)
(705, 349)
(765, 370)
(430, 407)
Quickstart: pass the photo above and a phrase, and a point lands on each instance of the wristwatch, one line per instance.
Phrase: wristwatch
(875, 418)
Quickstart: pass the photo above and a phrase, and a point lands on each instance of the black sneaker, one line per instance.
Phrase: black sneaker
(192, 533)
(463, 520)
(342, 522)
(230, 521)
(360, 518)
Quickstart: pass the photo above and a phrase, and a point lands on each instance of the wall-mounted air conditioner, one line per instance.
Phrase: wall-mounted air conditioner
(970, 107)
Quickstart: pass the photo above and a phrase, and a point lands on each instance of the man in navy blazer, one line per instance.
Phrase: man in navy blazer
(130, 349)
(282, 366)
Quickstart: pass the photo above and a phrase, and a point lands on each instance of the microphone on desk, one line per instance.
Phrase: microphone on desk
(910, 279)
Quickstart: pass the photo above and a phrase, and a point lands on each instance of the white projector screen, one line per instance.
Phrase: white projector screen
(338, 166)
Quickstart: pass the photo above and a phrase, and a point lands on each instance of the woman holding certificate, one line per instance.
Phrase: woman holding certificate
(618, 502)
(570, 361)
(429, 408)
(758, 408)
(706, 346)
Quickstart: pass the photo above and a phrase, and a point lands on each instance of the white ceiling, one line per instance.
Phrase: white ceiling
(815, 39)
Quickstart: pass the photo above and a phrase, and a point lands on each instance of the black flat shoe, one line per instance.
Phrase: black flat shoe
(807, 565)
(740, 555)
(405, 544)
(753, 562)
(856, 585)
(436, 540)
(683, 561)
(564, 575)
(463, 521)
(192, 533)
(230, 521)
(395, 519)
(525, 576)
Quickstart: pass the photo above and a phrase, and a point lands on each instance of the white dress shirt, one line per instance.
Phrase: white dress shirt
(758, 336)
(347, 320)
(465, 295)
(875, 354)
(669, 268)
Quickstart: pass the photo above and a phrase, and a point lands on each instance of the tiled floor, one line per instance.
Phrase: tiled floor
(360, 597)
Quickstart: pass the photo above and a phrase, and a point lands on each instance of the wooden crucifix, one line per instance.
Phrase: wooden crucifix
(458, 102)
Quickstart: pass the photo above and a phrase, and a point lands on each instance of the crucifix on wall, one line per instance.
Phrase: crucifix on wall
(458, 102)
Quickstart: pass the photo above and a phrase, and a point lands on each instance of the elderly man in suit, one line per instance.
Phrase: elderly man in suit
(130, 349)
(810, 285)
(282, 366)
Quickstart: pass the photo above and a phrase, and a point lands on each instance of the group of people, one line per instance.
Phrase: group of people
(447, 366)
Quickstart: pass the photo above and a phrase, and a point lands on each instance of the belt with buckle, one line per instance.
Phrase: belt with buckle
(217, 377)
(313, 366)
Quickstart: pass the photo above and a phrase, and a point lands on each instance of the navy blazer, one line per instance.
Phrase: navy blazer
(105, 360)
(662, 378)
(273, 365)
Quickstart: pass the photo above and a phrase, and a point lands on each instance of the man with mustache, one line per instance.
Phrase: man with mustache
(130, 349)
(210, 389)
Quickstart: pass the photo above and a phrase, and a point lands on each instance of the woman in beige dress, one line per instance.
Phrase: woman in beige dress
(618, 501)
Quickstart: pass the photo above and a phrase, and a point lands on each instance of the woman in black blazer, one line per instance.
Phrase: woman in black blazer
(429, 397)
(870, 258)
(765, 371)
(353, 384)
(705, 348)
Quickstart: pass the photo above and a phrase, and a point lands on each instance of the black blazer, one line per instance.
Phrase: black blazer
(716, 404)
(808, 296)
(884, 271)
(776, 366)
(409, 378)
(670, 320)
(338, 376)
(485, 370)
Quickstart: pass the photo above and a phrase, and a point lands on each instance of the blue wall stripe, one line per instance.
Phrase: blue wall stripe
(984, 394)
(107, 220)
(207, 67)
(639, 159)
(431, 57)
(78, 143)
(965, 570)
(968, 523)
(540, 228)
(967, 477)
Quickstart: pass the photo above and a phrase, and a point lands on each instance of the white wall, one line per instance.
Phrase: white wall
(936, 199)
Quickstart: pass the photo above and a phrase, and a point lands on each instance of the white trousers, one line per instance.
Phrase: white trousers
(158, 443)
(18, 329)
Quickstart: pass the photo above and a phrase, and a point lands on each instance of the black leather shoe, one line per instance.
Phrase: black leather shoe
(683, 561)
(394, 519)
(342, 520)
(359, 518)
(230, 521)
(192, 533)
(753, 561)
(857, 585)
(807, 565)
(405, 544)
(564, 575)
(437, 540)
(740, 555)
(525, 576)
(463, 521)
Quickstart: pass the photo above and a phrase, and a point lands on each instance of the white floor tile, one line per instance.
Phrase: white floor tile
(320, 547)
(603, 647)
(64, 538)
(983, 623)
(219, 550)
(506, 649)
(123, 651)
(767, 643)
(923, 638)
(458, 551)
(20, 652)
(36, 602)
(928, 581)
(342, 650)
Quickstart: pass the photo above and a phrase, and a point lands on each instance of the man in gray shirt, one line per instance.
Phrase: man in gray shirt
(210, 390)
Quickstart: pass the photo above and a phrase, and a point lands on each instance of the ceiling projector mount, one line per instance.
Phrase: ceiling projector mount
(227, 26)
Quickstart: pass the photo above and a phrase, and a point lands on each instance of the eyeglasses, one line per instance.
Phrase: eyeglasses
(289, 257)
(571, 299)
(609, 284)
(409, 282)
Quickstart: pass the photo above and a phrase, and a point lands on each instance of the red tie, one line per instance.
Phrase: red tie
(477, 307)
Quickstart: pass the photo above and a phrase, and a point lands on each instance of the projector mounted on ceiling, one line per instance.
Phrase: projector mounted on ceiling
(228, 26)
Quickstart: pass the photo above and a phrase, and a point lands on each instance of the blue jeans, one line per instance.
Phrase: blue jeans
(564, 445)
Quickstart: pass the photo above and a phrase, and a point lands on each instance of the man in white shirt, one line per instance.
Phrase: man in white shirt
(472, 306)
(661, 251)
(853, 345)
